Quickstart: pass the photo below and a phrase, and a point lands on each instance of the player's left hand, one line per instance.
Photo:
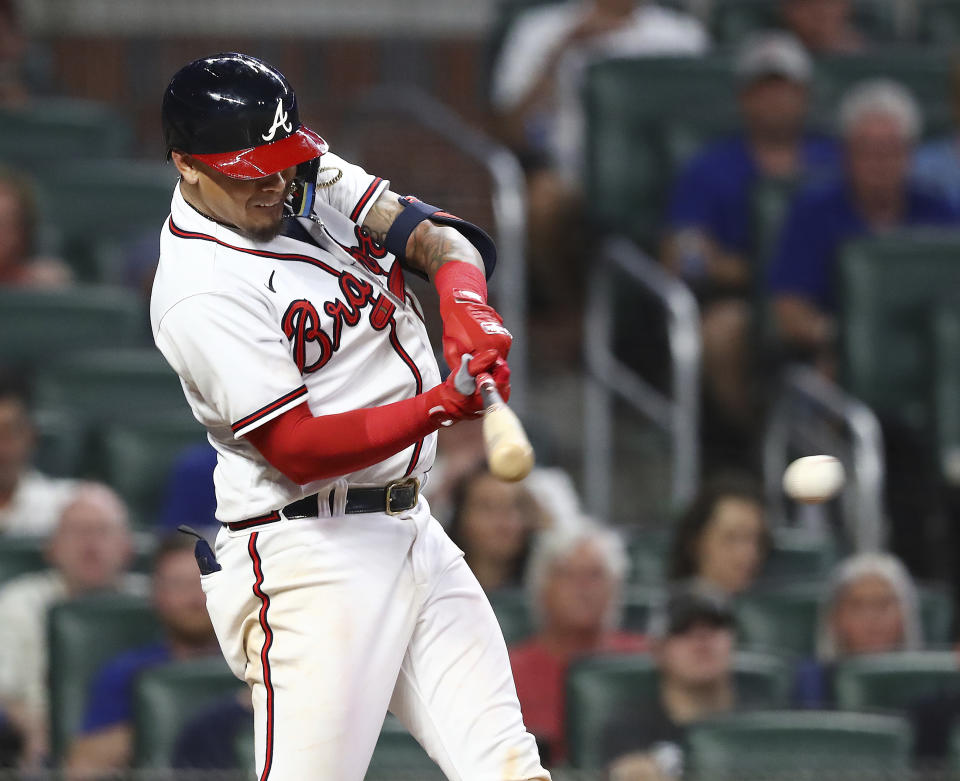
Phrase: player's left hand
(471, 327)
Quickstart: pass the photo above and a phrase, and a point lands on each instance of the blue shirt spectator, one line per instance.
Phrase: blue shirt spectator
(821, 219)
(190, 497)
(111, 696)
(209, 740)
(937, 165)
(714, 190)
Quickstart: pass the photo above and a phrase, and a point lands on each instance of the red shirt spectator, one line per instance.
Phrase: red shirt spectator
(574, 578)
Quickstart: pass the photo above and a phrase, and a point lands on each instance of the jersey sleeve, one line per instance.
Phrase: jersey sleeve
(234, 357)
(347, 187)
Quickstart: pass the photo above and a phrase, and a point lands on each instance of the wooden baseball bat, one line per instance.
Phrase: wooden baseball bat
(509, 453)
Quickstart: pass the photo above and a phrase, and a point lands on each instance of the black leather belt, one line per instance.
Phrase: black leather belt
(392, 499)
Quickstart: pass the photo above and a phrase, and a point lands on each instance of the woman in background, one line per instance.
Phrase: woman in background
(723, 539)
(870, 607)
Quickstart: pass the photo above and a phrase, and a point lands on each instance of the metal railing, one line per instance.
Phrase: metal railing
(813, 415)
(509, 201)
(608, 377)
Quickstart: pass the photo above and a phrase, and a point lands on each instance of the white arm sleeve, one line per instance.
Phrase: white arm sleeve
(347, 187)
(233, 357)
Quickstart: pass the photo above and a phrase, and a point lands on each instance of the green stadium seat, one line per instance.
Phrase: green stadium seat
(48, 131)
(781, 619)
(649, 552)
(938, 22)
(924, 71)
(85, 634)
(797, 555)
(399, 755)
(39, 327)
(799, 744)
(638, 603)
(946, 390)
(894, 681)
(137, 459)
(100, 204)
(734, 20)
(513, 614)
(630, 159)
(888, 287)
(167, 697)
(20, 555)
(601, 688)
(936, 614)
(102, 387)
(953, 751)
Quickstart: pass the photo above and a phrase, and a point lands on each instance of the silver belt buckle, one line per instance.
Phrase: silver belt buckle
(403, 483)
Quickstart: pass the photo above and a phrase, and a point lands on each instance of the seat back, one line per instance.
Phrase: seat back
(938, 21)
(894, 681)
(167, 697)
(19, 555)
(138, 456)
(734, 20)
(780, 619)
(83, 635)
(628, 105)
(795, 743)
(946, 389)
(399, 755)
(513, 614)
(924, 71)
(39, 327)
(60, 129)
(602, 689)
(108, 202)
(888, 287)
(112, 387)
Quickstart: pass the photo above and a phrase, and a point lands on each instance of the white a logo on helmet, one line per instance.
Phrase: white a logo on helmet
(280, 120)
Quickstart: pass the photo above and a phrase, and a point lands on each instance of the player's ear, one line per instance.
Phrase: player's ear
(186, 165)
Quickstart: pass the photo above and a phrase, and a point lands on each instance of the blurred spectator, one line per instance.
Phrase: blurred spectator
(19, 264)
(105, 740)
(492, 523)
(880, 121)
(823, 26)
(30, 502)
(459, 453)
(536, 94)
(574, 583)
(209, 740)
(89, 552)
(937, 162)
(693, 644)
(190, 497)
(870, 606)
(711, 238)
(11, 743)
(723, 538)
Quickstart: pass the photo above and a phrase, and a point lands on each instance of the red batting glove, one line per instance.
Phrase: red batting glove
(446, 404)
(470, 325)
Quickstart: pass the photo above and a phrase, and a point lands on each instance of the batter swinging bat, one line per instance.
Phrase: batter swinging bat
(509, 453)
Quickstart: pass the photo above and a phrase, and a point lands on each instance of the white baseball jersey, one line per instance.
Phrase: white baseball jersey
(331, 620)
(255, 328)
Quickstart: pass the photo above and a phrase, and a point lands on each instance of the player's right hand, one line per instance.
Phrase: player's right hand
(447, 405)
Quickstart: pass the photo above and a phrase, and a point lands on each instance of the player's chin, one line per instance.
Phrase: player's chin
(266, 226)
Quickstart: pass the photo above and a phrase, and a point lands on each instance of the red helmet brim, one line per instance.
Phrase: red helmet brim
(259, 161)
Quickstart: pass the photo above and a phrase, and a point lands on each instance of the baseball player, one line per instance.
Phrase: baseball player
(280, 302)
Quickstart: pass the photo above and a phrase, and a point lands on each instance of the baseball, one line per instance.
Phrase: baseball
(813, 479)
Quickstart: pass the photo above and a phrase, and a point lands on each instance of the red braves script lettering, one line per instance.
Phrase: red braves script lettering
(367, 251)
(301, 321)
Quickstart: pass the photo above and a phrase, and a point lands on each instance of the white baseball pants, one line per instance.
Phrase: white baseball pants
(334, 620)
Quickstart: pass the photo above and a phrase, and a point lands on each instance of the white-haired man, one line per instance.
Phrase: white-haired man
(574, 578)
(880, 123)
(89, 552)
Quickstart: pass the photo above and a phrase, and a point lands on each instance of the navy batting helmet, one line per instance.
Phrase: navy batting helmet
(237, 114)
